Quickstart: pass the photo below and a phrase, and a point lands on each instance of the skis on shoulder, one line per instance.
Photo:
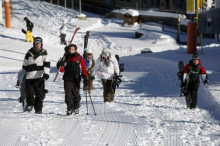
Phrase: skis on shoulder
(64, 55)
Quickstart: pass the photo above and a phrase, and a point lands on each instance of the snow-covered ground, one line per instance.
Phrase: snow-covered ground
(147, 108)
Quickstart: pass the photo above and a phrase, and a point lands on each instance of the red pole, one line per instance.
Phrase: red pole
(191, 38)
(7, 14)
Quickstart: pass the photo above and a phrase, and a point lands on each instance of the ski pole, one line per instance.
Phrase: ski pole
(87, 104)
(91, 102)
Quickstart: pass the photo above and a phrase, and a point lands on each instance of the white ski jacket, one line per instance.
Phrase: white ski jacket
(63, 29)
(106, 72)
(36, 64)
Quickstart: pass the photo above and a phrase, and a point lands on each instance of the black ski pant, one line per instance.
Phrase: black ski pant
(72, 97)
(192, 95)
(35, 93)
(108, 90)
(63, 39)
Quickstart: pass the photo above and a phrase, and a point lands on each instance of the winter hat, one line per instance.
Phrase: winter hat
(89, 51)
(105, 52)
(195, 57)
(38, 40)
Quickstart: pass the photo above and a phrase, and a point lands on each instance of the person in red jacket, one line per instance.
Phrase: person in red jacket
(191, 80)
(74, 68)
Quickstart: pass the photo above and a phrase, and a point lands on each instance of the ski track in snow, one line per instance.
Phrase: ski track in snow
(131, 120)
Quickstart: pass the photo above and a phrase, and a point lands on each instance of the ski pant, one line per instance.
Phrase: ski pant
(29, 36)
(192, 95)
(72, 97)
(90, 83)
(63, 39)
(108, 91)
(35, 93)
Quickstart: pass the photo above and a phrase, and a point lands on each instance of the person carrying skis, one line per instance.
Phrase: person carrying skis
(106, 67)
(191, 80)
(63, 32)
(30, 26)
(37, 67)
(72, 66)
(90, 63)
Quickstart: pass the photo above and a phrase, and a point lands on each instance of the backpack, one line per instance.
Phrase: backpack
(73, 69)
(193, 75)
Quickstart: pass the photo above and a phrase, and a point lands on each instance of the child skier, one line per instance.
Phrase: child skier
(90, 63)
(71, 67)
(107, 66)
(191, 80)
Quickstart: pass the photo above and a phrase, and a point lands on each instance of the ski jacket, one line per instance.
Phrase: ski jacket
(74, 67)
(106, 72)
(36, 64)
(192, 72)
(90, 63)
(63, 29)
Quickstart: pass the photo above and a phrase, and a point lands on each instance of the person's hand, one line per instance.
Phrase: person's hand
(92, 78)
(206, 81)
(62, 63)
(45, 76)
(85, 81)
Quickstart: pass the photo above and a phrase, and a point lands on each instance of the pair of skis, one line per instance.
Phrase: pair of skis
(64, 55)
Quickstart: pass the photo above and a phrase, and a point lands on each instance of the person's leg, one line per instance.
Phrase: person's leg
(40, 95)
(76, 96)
(68, 87)
(29, 89)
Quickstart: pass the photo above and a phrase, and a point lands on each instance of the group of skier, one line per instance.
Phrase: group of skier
(36, 68)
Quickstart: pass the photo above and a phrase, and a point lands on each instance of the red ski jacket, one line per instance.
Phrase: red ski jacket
(78, 58)
(187, 67)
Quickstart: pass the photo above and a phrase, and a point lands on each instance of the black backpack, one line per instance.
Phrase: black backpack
(72, 69)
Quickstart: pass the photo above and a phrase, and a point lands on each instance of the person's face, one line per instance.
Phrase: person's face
(195, 61)
(38, 46)
(89, 55)
(72, 50)
(105, 57)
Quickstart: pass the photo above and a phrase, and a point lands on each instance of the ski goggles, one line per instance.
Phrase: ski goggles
(196, 58)
(38, 41)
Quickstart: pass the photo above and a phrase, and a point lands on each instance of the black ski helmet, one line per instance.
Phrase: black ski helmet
(195, 57)
(38, 39)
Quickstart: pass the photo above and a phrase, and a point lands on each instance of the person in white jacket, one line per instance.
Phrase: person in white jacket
(63, 32)
(106, 67)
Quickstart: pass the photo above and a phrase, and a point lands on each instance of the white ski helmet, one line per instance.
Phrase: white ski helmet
(89, 51)
(105, 52)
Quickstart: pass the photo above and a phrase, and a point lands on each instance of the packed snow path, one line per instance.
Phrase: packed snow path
(134, 118)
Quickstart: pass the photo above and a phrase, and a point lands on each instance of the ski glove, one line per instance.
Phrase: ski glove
(45, 76)
(92, 78)
(85, 81)
(61, 63)
(206, 81)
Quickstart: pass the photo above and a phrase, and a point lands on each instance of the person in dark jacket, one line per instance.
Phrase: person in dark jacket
(37, 67)
(30, 27)
(72, 66)
(191, 80)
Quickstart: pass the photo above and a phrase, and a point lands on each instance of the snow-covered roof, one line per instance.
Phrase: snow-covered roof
(129, 11)
(132, 12)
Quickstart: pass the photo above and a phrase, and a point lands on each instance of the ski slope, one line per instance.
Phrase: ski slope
(147, 108)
